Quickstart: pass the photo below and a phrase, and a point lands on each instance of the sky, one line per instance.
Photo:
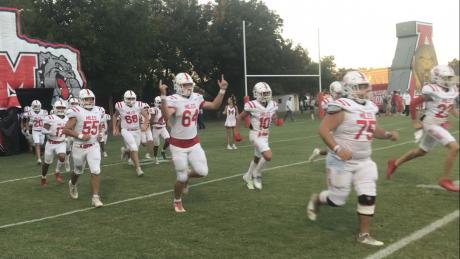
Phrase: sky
(360, 33)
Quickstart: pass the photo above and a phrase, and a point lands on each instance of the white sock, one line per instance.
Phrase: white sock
(250, 171)
(59, 165)
(258, 170)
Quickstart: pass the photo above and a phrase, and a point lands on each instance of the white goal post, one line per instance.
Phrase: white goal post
(246, 73)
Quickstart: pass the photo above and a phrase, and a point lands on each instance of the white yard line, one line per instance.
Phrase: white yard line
(166, 191)
(148, 162)
(414, 236)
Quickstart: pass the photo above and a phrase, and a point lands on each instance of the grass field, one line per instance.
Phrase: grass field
(223, 219)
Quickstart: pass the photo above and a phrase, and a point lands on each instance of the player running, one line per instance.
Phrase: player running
(348, 129)
(262, 112)
(53, 127)
(182, 109)
(439, 98)
(84, 126)
(129, 112)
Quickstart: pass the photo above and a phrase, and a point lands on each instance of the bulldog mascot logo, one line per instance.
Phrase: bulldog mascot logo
(30, 63)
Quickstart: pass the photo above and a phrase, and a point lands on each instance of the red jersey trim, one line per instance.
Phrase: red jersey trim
(184, 143)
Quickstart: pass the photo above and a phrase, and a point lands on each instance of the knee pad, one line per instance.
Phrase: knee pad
(182, 176)
(366, 205)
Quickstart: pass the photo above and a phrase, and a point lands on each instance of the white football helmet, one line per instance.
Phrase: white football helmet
(130, 98)
(180, 81)
(145, 106)
(443, 75)
(36, 106)
(87, 99)
(356, 86)
(73, 101)
(59, 107)
(262, 92)
(336, 89)
(157, 101)
(26, 109)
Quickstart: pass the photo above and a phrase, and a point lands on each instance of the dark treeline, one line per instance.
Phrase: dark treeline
(132, 44)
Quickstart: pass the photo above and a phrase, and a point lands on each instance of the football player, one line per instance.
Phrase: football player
(129, 112)
(105, 118)
(146, 136)
(35, 122)
(181, 110)
(348, 129)
(158, 129)
(84, 126)
(262, 112)
(53, 128)
(439, 98)
(336, 90)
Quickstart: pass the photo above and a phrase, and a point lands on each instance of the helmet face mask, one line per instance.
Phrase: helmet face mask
(262, 92)
(129, 98)
(73, 101)
(36, 106)
(444, 76)
(59, 108)
(356, 86)
(183, 84)
(87, 99)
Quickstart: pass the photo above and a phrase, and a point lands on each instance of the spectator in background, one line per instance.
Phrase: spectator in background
(289, 107)
(388, 97)
(406, 98)
(399, 103)
(393, 102)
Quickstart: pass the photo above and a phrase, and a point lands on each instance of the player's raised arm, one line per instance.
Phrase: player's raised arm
(167, 111)
(215, 104)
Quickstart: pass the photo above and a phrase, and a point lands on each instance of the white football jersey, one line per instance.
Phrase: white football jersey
(87, 123)
(261, 116)
(36, 119)
(325, 102)
(104, 122)
(157, 119)
(184, 120)
(130, 116)
(57, 125)
(442, 100)
(356, 131)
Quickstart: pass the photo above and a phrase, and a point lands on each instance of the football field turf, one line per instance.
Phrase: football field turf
(223, 218)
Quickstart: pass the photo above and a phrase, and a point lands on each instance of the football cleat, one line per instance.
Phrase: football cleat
(249, 183)
(43, 182)
(448, 185)
(229, 147)
(316, 152)
(391, 168)
(257, 183)
(58, 178)
(156, 161)
(139, 172)
(312, 207)
(234, 146)
(368, 240)
(73, 190)
(147, 156)
(96, 201)
(39, 161)
(178, 207)
(105, 154)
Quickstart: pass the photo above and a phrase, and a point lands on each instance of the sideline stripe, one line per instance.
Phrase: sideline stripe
(167, 191)
(414, 236)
